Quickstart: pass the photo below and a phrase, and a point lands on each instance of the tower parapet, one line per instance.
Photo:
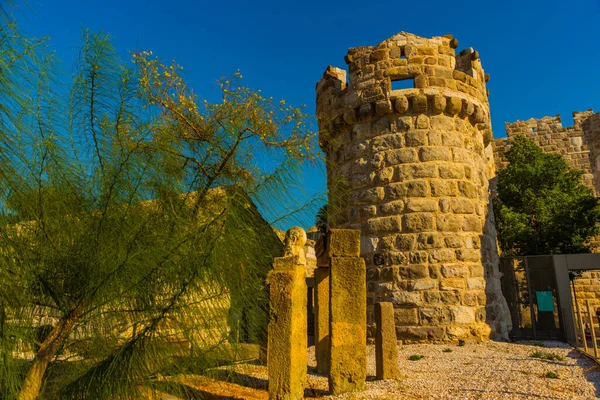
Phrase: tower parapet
(572, 142)
(409, 167)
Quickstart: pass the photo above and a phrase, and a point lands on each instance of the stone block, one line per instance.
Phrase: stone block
(441, 255)
(452, 298)
(468, 255)
(425, 284)
(386, 346)
(289, 263)
(463, 315)
(415, 138)
(408, 189)
(422, 122)
(463, 206)
(322, 319)
(384, 224)
(471, 223)
(418, 222)
(435, 315)
(392, 207)
(401, 156)
(455, 271)
(420, 333)
(451, 171)
(287, 341)
(453, 284)
(405, 242)
(420, 205)
(405, 316)
(427, 241)
(447, 223)
(443, 188)
(383, 107)
(442, 123)
(438, 104)
(408, 172)
(401, 104)
(435, 154)
(417, 271)
(453, 105)
(343, 243)
(407, 299)
(419, 104)
(348, 321)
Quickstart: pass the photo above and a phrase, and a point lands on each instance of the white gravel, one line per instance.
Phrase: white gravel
(491, 370)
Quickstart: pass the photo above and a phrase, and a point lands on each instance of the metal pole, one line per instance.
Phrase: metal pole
(574, 317)
(592, 329)
(531, 310)
(582, 328)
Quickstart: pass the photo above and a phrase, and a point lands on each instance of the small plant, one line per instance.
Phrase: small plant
(415, 357)
(551, 375)
(461, 343)
(538, 344)
(447, 350)
(543, 355)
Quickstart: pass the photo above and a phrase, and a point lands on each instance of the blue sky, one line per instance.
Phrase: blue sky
(543, 56)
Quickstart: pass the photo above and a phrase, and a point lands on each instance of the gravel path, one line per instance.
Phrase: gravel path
(492, 370)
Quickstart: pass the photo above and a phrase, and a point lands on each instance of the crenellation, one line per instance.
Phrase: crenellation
(575, 143)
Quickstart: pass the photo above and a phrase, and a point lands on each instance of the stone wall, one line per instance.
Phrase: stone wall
(572, 142)
(588, 288)
(410, 169)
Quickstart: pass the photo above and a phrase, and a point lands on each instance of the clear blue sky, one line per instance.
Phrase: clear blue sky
(543, 56)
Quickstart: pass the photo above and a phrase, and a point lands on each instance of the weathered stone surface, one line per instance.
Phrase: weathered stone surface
(343, 243)
(287, 358)
(322, 319)
(417, 173)
(386, 347)
(348, 320)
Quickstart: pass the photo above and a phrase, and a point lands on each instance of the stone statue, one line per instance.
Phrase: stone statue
(295, 239)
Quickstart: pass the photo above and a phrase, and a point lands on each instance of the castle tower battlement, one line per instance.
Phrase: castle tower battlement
(579, 144)
(409, 167)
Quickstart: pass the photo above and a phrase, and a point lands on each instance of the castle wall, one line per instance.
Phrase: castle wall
(580, 147)
(572, 142)
(410, 169)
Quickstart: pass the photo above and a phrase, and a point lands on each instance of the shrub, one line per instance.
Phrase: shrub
(543, 355)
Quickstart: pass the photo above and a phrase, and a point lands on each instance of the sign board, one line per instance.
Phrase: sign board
(545, 301)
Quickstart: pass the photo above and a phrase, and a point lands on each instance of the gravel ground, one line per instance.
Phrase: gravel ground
(492, 370)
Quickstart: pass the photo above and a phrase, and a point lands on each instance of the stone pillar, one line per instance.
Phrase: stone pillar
(408, 168)
(347, 312)
(386, 345)
(322, 309)
(287, 356)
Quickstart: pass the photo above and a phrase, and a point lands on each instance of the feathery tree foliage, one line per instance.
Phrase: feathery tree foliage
(542, 206)
(128, 218)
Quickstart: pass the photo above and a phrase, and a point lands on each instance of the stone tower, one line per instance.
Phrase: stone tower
(409, 167)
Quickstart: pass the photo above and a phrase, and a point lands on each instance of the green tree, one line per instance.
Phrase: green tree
(129, 217)
(542, 206)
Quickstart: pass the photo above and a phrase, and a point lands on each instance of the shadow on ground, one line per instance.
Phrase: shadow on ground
(186, 392)
(590, 368)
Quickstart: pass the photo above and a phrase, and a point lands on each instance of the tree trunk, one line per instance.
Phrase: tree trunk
(48, 349)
